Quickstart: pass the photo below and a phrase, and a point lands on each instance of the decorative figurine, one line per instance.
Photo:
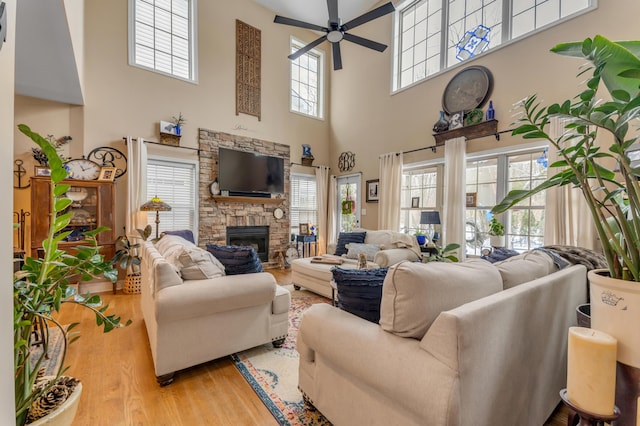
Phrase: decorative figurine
(307, 156)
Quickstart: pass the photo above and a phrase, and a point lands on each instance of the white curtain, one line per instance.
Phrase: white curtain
(136, 186)
(389, 190)
(322, 185)
(332, 215)
(455, 163)
(567, 217)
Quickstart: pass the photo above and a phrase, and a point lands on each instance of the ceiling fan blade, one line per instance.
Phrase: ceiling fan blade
(365, 42)
(294, 22)
(369, 16)
(332, 5)
(307, 48)
(337, 57)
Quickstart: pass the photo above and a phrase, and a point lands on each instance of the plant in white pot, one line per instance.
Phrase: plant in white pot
(40, 288)
(496, 233)
(595, 155)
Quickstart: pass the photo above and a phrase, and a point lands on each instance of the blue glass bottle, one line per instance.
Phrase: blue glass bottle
(490, 111)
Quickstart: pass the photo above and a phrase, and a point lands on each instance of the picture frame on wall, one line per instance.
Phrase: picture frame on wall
(372, 191)
(304, 229)
(42, 171)
(415, 202)
(471, 199)
(107, 174)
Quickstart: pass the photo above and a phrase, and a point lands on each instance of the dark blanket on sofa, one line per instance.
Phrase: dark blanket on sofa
(579, 256)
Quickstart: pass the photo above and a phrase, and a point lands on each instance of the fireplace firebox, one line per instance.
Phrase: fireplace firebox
(254, 236)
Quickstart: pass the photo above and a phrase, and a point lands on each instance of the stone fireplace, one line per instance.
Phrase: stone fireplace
(254, 236)
(218, 214)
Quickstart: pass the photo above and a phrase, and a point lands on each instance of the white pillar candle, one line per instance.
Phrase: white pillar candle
(591, 370)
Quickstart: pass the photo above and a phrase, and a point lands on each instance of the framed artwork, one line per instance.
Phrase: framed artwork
(372, 191)
(415, 202)
(304, 229)
(471, 199)
(42, 171)
(456, 120)
(107, 174)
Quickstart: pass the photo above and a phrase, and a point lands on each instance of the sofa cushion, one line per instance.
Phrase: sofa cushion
(525, 267)
(199, 264)
(345, 238)
(414, 294)
(187, 234)
(370, 250)
(236, 259)
(360, 291)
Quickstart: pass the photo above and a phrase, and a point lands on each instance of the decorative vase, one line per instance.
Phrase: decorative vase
(421, 239)
(442, 124)
(491, 113)
(615, 309)
(178, 129)
(496, 240)
(65, 413)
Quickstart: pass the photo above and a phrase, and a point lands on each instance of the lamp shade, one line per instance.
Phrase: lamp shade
(155, 204)
(430, 218)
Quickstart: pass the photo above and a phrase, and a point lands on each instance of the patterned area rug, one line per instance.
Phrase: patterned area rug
(52, 362)
(273, 373)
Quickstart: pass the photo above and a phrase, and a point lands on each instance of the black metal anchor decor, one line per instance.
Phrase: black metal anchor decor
(19, 172)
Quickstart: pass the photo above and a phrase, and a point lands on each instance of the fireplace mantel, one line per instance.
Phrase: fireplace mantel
(255, 200)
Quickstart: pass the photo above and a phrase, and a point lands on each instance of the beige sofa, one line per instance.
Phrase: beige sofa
(452, 347)
(394, 247)
(192, 319)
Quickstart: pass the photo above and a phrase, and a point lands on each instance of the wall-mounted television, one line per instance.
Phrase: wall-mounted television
(243, 173)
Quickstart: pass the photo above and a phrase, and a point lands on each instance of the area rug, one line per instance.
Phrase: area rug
(52, 361)
(273, 373)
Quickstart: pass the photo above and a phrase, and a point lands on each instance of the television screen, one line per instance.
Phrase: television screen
(241, 172)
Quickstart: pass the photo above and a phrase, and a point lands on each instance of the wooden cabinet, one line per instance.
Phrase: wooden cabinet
(93, 206)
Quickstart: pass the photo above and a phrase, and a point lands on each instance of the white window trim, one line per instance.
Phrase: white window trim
(196, 183)
(395, 57)
(193, 23)
(321, 67)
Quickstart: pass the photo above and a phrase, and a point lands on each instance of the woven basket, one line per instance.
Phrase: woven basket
(133, 283)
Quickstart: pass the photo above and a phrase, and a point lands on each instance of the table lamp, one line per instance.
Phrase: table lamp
(157, 205)
(430, 219)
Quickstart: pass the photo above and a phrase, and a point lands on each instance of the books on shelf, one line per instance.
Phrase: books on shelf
(327, 260)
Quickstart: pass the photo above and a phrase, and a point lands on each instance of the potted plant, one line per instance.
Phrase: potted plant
(443, 254)
(496, 233)
(594, 149)
(41, 287)
(126, 258)
(422, 239)
(178, 122)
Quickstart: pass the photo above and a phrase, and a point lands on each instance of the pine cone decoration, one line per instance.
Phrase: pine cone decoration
(52, 398)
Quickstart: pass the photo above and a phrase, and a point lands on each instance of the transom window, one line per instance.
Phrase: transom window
(162, 36)
(306, 81)
(433, 35)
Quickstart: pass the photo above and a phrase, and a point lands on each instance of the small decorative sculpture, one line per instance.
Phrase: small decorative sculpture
(307, 156)
(362, 261)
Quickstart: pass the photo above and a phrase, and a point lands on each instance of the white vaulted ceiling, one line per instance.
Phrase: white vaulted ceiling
(315, 11)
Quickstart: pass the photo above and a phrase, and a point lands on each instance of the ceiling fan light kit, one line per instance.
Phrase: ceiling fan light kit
(336, 31)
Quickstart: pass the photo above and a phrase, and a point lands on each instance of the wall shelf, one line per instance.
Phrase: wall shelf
(473, 131)
(254, 200)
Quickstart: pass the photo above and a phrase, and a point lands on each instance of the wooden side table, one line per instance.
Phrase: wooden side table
(309, 245)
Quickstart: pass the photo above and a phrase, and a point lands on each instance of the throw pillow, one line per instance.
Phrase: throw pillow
(236, 259)
(499, 253)
(525, 267)
(360, 291)
(415, 293)
(345, 238)
(187, 234)
(369, 250)
(198, 264)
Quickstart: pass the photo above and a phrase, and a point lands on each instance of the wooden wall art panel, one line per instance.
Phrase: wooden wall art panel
(248, 69)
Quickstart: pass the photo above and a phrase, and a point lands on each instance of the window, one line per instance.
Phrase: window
(174, 182)
(304, 205)
(432, 35)
(306, 81)
(419, 186)
(488, 181)
(349, 202)
(162, 36)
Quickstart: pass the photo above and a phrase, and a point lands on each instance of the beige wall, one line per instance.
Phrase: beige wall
(368, 120)
(7, 82)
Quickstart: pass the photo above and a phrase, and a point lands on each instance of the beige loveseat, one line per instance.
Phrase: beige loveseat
(393, 247)
(192, 319)
(457, 345)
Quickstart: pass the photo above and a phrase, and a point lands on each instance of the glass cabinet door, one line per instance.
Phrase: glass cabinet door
(84, 208)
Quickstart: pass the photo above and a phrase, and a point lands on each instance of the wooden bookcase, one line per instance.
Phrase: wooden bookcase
(93, 206)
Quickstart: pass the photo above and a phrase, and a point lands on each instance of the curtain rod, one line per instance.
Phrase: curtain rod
(315, 167)
(162, 144)
(433, 147)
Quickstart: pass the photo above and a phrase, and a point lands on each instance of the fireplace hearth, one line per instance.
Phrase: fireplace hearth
(254, 236)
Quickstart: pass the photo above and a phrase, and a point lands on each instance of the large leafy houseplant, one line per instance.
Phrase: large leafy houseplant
(596, 139)
(43, 286)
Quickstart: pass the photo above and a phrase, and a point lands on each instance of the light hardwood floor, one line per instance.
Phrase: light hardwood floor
(119, 386)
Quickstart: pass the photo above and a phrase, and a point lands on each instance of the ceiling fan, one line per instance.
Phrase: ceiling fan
(336, 31)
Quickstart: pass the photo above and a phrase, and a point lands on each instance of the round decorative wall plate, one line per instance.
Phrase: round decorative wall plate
(278, 213)
(468, 89)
